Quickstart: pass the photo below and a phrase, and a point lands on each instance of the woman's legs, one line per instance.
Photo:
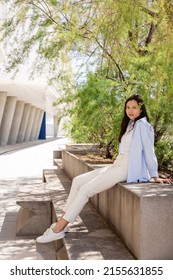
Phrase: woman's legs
(77, 182)
(91, 183)
(84, 187)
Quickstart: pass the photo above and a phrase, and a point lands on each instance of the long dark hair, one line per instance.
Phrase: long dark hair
(126, 119)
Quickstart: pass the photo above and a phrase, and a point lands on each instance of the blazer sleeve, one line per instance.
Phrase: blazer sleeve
(147, 137)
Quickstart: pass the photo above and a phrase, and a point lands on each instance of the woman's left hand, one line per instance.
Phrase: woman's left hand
(163, 181)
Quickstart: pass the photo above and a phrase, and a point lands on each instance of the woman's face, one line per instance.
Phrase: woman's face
(133, 110)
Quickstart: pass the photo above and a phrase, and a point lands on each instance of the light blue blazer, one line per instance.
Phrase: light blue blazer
(142, 164)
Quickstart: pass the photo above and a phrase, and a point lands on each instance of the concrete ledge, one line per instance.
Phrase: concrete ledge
(83, 147)
(88, 238)
(141, 214)
(57, 154)
(73, 166)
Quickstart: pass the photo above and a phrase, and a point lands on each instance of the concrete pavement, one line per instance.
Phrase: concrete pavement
(20, 165)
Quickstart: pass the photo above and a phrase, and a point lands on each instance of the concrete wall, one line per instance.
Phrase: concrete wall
(141, 214)
(19, 120)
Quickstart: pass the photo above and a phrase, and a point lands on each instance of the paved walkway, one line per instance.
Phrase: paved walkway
(22, 164)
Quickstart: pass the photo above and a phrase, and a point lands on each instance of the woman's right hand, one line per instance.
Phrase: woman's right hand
(163, 181)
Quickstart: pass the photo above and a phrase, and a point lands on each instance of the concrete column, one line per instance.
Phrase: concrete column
(24, 123)
(3, 97)
(37, 132)
(7, 119)
(34, 127)
(16, 122)
(30, 124)
(55, 126)
(42, 134)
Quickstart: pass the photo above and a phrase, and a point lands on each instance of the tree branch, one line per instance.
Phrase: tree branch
(121, 75)
(150, 34)
(151, 13)
(47, 15)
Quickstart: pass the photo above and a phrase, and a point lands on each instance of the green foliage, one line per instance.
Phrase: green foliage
(127, 44)
(164, 151)
(96, 114)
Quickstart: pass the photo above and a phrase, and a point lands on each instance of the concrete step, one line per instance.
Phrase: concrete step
(57, 162)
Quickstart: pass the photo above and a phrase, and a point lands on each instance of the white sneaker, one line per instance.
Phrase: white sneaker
(49, 236)
(66, 229)
(53, 225)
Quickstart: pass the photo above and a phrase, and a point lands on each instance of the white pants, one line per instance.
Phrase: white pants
(88, 184)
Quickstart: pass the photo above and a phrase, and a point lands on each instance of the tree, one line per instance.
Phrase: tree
(128, 43)
(96, 113)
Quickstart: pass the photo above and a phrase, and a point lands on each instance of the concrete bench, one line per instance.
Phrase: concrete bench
(34, 216)
(89, 237)
(140, 214)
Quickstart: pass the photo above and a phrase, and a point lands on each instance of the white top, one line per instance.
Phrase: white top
(126, 140)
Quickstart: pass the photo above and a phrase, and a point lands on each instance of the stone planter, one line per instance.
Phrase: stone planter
(141, 214)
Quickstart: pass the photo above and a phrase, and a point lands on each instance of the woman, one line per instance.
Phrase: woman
(136, 162)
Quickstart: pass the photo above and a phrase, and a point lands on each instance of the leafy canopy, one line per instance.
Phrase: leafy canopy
(127, 44)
